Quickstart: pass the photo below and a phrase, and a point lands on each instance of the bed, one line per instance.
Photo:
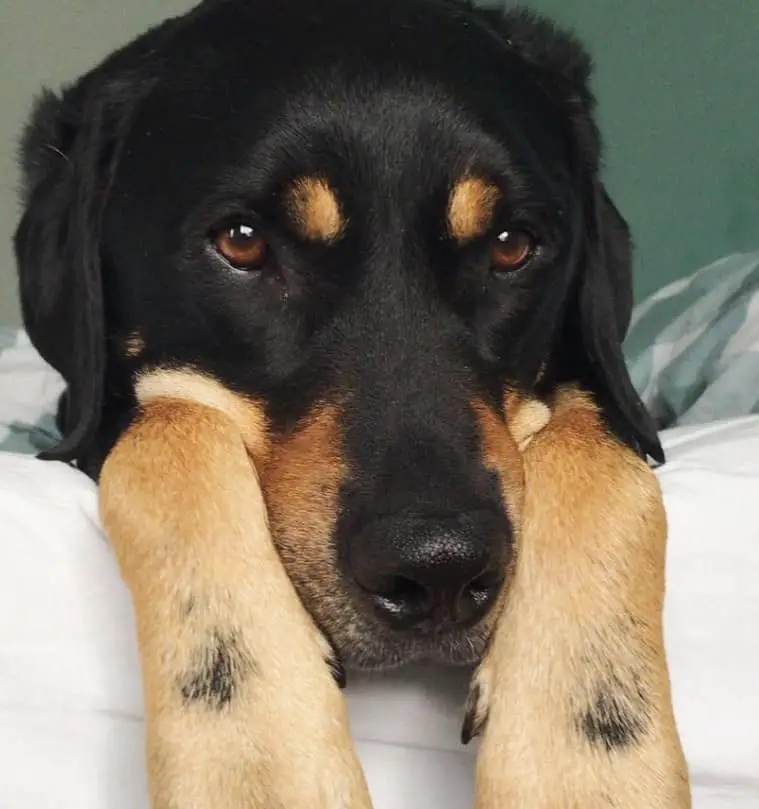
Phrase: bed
(71, 730)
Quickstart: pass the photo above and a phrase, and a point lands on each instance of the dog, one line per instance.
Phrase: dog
(338, 295)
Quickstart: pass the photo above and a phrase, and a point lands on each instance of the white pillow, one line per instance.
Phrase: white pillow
(70, 698)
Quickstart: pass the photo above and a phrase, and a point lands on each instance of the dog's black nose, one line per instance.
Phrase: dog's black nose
(432, 574)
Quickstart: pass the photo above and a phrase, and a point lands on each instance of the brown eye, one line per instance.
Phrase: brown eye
(241, 245)
(512, 250)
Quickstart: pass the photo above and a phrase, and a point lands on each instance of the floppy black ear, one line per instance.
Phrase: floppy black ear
(598, 313)
(600, 316)
(69, 152)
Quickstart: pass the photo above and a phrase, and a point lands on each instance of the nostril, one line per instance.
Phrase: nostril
(400, 588)
(477, 596)
(401, 598)
(488, 582)
(408, 603)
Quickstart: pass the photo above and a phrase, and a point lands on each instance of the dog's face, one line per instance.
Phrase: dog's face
(369, 220)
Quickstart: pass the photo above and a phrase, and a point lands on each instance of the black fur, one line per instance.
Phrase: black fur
(217, 671)
(617, 718)
(210, 115)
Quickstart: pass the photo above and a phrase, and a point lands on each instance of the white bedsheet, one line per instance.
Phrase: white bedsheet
(70, 698)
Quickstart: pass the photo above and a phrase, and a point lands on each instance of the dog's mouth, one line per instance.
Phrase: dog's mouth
(365, 642)
(379, 651)
(363, 638)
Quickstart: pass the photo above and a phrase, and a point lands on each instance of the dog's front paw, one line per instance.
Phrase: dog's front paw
(609, 743)
(572, 699)
(236, 728)
(308, 756)
(246, 737)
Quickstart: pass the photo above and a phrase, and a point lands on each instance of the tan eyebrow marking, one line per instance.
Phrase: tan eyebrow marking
(315, 209)
(471, 207)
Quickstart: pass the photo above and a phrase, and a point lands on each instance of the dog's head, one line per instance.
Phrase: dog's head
(371, 220)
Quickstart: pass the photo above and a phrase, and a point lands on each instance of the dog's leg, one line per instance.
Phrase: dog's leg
(242, 707)
(573, 697)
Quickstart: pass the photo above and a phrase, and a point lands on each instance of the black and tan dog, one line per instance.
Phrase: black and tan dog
(338, 295)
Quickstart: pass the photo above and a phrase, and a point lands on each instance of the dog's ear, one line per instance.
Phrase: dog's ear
(598, 313)
(69, 153)
(598, 318)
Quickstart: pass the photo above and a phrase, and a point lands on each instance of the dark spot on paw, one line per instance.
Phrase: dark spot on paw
(474, 720)
(218, 669)
(617, 717)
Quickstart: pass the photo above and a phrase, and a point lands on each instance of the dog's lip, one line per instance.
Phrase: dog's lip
(396, 650)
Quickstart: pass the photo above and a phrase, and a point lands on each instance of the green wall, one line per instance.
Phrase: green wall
(678, 89)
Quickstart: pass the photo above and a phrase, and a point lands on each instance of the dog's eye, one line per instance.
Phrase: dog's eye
(512, 250)
(241, 245)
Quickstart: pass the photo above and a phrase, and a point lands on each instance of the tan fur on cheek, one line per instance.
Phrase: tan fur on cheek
(301, 483)
(133, 345)
(500, 453)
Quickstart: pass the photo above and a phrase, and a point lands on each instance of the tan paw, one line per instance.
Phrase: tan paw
(612, 751)
(572, 698)
(237, 731)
